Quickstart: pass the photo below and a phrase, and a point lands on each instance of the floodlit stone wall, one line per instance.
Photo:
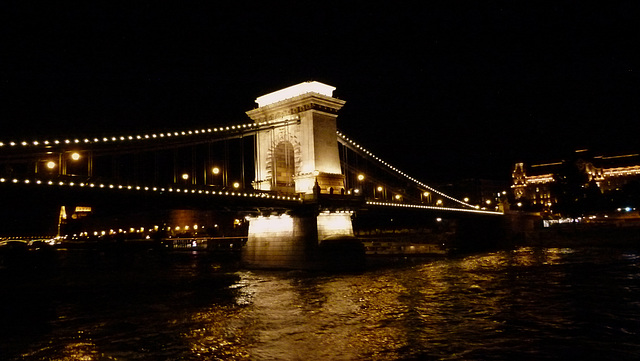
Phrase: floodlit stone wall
(291, 242)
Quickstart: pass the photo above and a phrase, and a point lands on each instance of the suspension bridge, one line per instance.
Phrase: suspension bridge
(287, 176)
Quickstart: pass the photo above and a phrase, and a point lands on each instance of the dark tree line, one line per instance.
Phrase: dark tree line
(577, 195)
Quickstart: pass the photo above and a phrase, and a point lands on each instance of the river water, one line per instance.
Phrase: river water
(522, 304)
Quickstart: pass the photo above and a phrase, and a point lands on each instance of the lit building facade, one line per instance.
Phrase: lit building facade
(534, 184)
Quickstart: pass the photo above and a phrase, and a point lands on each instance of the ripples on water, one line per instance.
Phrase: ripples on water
(526, 304)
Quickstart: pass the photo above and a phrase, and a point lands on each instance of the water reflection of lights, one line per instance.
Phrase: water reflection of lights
(216, 335)
(510, 302)
(521, 257)
(80, 351)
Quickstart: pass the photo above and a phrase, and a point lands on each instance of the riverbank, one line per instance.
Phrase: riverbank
(581, 235)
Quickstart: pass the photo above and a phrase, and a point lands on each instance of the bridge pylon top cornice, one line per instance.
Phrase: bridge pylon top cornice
(296, 99)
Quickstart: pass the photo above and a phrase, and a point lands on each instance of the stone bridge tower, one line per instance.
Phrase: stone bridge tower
(301, 148)
(296, 149)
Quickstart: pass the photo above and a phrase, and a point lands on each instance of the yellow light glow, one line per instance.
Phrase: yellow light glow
(236, 185)
(75, 156)
(185, 176)
(360, 177)
(215, 170)
(335, 224)
(271, 224)
(420, 206)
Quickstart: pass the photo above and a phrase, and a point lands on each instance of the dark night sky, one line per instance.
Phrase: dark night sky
(443, 91)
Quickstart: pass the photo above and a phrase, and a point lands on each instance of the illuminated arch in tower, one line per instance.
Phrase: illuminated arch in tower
(283, 165)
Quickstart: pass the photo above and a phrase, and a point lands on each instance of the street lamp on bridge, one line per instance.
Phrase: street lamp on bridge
(69, 168)
(360, 187)
(216, 172)
(63, 163)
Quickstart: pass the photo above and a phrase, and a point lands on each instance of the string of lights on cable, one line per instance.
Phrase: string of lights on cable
(398, 171)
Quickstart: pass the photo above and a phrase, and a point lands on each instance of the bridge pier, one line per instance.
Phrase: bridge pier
(298, 154)
(294, 241)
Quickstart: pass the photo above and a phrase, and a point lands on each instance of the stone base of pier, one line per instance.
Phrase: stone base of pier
(294, 242)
